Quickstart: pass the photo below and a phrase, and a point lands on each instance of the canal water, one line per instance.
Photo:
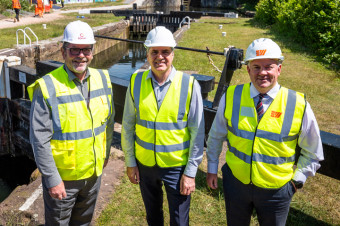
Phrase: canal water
(121, 60)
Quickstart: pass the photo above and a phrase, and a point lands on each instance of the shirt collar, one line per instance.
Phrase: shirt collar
(272, 93)
(72, 76)
(170, 77)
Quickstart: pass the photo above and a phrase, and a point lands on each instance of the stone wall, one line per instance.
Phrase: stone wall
(50, 49)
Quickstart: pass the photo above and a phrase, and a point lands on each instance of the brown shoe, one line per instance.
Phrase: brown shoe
(18, 20)
(15, 20)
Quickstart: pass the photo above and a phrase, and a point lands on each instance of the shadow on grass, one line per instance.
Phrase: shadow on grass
(298, 218)
(201, 184)
(295, 217)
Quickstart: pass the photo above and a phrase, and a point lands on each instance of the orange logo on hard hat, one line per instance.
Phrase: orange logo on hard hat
(261, 52)
(275, 114)
(81, 36)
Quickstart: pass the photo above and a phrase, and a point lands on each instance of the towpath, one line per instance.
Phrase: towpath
(27, 18)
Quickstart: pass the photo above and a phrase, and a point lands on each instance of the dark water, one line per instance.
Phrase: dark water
(14, 171)
(122, 60)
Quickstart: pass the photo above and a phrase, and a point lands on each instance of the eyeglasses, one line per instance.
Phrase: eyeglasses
(76, 51)
(164, 53)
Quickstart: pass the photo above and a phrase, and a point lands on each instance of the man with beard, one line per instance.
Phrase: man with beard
(72, 117)
(163, 131)
(263, 123)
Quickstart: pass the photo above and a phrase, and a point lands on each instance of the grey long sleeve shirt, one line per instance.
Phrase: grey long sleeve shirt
(41, 131)
(195, 124)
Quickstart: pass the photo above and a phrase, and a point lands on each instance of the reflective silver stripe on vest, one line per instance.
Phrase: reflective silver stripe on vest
(272, 160)
(162, 125)
(54, 102)
(59, 135)
(163, 148)
(245, 158)
(107, 90)
(181, 111)
(287, 122)
(260, 157)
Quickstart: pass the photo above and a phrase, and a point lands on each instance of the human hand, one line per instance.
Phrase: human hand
(212, 180)
(133, 174)
(187, 185)
(58, 192)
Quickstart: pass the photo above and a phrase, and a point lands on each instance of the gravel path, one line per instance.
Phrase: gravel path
(28, 18)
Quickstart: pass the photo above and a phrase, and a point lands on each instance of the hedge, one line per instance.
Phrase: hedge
(313, 23)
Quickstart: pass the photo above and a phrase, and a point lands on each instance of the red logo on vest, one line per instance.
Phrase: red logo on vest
(275, 114)
(261, 52)
(81, 36)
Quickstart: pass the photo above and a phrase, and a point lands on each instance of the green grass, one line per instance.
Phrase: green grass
(318, 203)
(55, 29)
(300, 71)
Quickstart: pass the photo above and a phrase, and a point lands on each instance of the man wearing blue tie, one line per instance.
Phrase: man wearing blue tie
(263, 123)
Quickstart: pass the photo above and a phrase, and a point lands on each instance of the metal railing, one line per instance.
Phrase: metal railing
(26, 36)
(180, 24)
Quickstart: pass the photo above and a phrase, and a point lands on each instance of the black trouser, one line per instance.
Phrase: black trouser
(151, 182)
(271, 205)
(17, 14)
(79, 205)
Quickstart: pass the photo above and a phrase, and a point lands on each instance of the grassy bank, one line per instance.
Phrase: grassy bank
(318, 203)
(54, 29)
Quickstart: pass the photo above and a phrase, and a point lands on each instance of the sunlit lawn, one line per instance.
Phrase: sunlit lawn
(318, 203)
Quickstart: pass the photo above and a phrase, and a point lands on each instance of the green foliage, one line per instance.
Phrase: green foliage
(5, 4)
(312, 23)
(25, 6)
(247, 4)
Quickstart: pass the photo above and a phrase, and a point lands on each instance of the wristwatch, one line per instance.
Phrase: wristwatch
(297, 184)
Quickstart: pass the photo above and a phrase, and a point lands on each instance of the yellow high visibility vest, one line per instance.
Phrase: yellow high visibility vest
(162, 135)
(79, 135)
(263, 153)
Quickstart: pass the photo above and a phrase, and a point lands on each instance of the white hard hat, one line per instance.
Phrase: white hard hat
(78, 32)
(160, 36)
(263, 48)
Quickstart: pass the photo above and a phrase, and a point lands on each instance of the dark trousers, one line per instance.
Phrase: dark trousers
(77, 208)
(151, 182)
(17, 11)
(271, 205)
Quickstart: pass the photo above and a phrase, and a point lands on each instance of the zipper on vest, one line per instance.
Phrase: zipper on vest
(252, 151)
(154, 144)
(93, 134)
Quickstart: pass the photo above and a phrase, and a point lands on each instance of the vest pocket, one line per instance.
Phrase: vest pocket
(64, 154)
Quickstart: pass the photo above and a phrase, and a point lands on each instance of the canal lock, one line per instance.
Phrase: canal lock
(16, 156)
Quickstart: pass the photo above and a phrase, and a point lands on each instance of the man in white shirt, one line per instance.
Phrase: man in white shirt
(262, 123)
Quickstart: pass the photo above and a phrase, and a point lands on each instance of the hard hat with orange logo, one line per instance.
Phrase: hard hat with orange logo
(78, 32)
(263, 48)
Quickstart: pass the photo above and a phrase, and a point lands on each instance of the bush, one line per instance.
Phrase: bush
(314, 23)
(5, 4)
